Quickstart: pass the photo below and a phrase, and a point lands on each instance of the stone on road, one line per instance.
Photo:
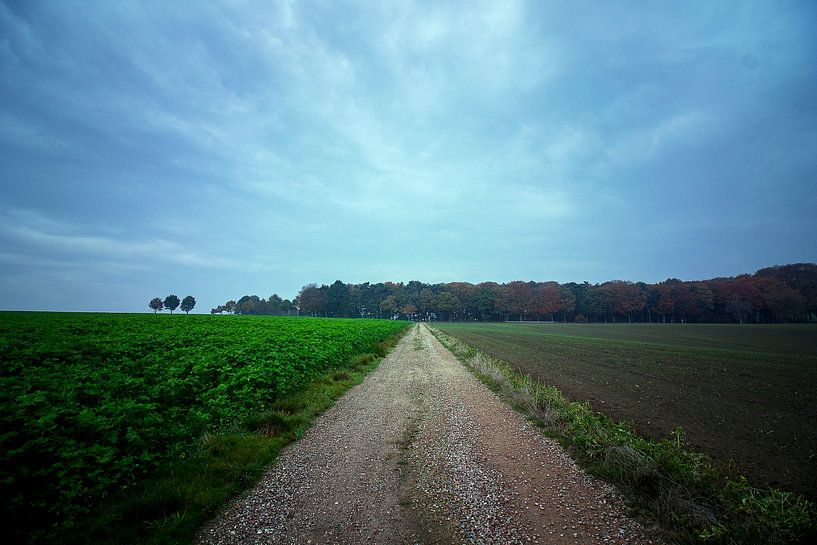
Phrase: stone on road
(422, 452)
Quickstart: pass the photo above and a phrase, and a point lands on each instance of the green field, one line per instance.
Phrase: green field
(94, 403)
(746, 394)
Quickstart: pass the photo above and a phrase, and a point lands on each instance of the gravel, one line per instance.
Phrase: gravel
(422, 452)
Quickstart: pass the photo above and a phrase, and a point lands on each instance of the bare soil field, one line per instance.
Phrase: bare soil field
(746, 394)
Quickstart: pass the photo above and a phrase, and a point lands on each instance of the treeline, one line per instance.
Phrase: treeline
(171, 303)
(776, 294)
(252, 304)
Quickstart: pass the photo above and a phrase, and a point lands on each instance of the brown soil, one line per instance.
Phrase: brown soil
(752, 412)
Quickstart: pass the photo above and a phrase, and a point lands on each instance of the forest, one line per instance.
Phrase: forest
(778, 294)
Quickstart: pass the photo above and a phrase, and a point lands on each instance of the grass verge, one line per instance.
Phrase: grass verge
(690, 499)
(171, 505)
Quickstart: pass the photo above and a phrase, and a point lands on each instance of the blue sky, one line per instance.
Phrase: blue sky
(246, 147)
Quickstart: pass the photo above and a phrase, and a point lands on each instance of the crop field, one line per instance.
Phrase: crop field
(742, 393)
(91, 403)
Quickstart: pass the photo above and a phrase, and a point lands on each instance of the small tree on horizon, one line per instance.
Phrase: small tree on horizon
(155, 304)
(171, 303)
(188, 303)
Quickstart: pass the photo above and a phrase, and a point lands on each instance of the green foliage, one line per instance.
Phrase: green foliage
(188, 303)
(91, 405)
(171, 303)
(169, 506)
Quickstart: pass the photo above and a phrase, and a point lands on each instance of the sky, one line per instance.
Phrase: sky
(227, 148)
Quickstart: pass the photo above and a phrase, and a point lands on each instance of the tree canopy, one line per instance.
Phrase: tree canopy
(171, 303)
(776, 294)
(252, 304)
(785, 293)
(156, 304)
(188, 303)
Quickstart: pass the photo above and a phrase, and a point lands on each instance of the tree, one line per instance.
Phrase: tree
(155, 304)
(427, 302)
(503, 302)
(248, 304)
(626, 298)
(580, 294)
(597, 301)
(546, 299)
(356, 309)
(413, 289)
(782, 303)
(464, 292)
(409, 311)
(694, 300)
(389, 305)
(798, 276)
(567, 301)
(370, 297)
(737, 298)
(738, 307)
(188, 303)
(311, 300)
(521, 293)
(482, 301)
(171, 303)
(449, 304)
(337, 299)
(666, 301)
(398, 291)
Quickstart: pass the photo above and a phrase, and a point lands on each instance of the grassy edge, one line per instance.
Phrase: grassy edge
(177, 500)
(690, 499)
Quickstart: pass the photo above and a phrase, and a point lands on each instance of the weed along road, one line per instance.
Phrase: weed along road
(422, 452)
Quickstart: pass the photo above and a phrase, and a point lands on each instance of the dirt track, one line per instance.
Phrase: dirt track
(422, 452)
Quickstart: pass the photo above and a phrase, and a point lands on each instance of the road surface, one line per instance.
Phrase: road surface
(422, 452)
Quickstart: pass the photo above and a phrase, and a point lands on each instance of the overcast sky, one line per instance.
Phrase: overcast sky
(149, 148)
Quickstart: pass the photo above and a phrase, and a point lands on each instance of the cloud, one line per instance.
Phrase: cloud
(529, 206)
(645, 143)
(38, 233)
(17, 132)
(284, 142)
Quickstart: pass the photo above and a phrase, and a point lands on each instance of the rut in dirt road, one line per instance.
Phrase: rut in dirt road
(422, 452)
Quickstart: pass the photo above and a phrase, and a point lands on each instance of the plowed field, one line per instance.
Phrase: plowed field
(742, 393)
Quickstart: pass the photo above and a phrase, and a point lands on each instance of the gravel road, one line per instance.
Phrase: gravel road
(422, 452)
